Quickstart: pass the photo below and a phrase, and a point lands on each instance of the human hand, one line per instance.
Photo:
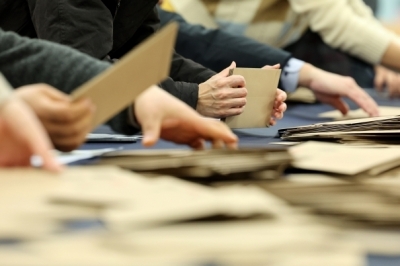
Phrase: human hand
(330, 88)
(386, 78)
(279, 104)
(222, 95)
(22, 135)
(66, 122)
(162, 115)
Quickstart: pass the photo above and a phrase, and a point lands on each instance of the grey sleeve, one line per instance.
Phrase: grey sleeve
(26, 61)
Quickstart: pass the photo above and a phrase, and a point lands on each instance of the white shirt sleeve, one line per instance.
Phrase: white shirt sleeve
(290, 74)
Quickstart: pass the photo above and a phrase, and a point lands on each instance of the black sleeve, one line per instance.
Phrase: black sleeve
(25, 61)
(185, 75)
(183, 69)
(85, 25)
(216, 49)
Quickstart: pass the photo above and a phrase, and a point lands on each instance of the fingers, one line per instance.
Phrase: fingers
(280, 95)
(278, 112)
(33, 135)
(53, 93)
(225, 72)
(338, 103)
(393, 84)
(151, 129)
(234, 81)
(62, 112)
(70, 135)
(217, 133)
(379, 81)
(198, 144)
(279, 107)
(230, 112)
(74, 137)
(277, 66)
(363, 100)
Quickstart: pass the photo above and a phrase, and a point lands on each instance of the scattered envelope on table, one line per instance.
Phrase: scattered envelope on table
(359, 113)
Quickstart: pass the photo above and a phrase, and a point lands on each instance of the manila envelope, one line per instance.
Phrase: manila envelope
(144, 66)
(261, 85)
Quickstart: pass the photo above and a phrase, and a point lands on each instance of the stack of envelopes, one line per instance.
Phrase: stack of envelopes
(347, 161)
(347, 201)
(380, 130)
(155, 221)
(209, 164)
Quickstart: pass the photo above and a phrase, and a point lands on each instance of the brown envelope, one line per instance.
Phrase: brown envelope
(146, 65)
(261, 85)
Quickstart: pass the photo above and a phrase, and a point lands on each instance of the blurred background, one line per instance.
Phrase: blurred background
(386, 10)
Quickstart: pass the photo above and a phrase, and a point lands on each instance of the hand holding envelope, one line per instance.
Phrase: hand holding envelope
(265, 102)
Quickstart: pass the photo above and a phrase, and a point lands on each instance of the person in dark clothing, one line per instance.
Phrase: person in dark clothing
(24, 61)
(214, 48)
(108, 29)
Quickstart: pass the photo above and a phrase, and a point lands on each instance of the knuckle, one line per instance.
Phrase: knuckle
(75, 130)
(221, 94)
(239, 111)
(220, 83)
(221, 113)
(67, 116)
(245, 92)
(350, 81)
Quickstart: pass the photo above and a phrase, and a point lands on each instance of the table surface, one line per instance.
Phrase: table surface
(296, 115)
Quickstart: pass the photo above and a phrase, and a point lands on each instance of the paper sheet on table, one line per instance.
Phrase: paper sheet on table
(359, 113)
(340, 159)
(78, 155)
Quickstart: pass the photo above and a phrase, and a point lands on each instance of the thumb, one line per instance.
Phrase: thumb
(35, 136)
(225, 73)
(55, 94)
(277, 66)
(151, 129)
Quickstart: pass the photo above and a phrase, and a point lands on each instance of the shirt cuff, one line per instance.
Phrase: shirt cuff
(290, 74)
(132, 119)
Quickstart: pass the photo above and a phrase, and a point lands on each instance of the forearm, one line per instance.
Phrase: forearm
(216, 49)
(186, 92)
(24, 61)
(391, 57)
(340, 26)
(186, 70)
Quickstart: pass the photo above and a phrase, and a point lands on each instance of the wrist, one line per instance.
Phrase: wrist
(306, 75)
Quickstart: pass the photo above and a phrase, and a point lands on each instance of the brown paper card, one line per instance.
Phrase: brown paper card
(116, 88)
(340, 159)
(359, 113)
(261, 85)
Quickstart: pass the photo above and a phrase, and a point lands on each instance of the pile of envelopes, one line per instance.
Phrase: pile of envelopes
(161, 220)
(206, 165)
(356, 202)
(365, 210)
(343, 160)
(380, 130)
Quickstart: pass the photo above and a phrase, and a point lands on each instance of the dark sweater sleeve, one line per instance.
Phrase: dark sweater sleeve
(25, 61)
(216, 49)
